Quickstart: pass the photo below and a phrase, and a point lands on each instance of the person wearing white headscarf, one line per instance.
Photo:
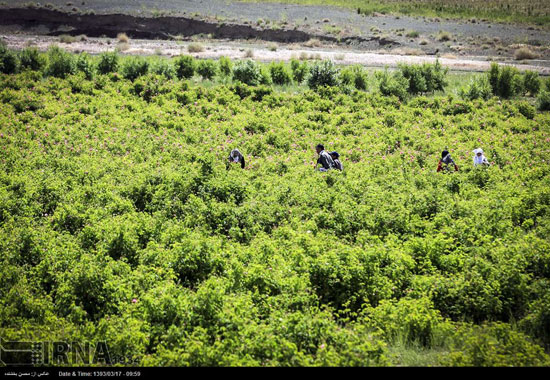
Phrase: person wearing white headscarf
(479, 157)
(235, 157)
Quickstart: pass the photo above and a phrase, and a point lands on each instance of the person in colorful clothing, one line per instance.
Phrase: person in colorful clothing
(445, 162)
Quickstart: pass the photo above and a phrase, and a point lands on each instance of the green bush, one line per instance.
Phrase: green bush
(241, 89)
(361, 78)
(537, 322)
(164, 68)
(493, 75)
(300, 70)
(346, 76)
(31, 59)
(543, 101)
(8, 60)
(509, 82)
(479, 88)
(225, 66)
(354, 76)
(185, 66)
(495, 345)
(265, 76)
(135, 67)
(206, 69)
(526, 109)
(435, 76)
(424, 78)
(195, 260)
(120, 222)
(108, 63)
(280, 74)
(84, 65)
(415, 77)
(60, 63)
(150, 86)
(506, 82)
(531, 82)
(322, 74)
(247, 72)
(411, 321)
(394, 84)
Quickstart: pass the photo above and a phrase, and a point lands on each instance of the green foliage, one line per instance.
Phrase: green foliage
(8, 60)
(185, 66)
(206, 69)
(479, 88)
(60, 63)
(354, 76)
(248, 72)
(543, 101)
(496, 345)
(300, 70)
(84, 65)
(164, 68)
(225, 66)
(322, 74)
(526, 109)
(424, 78)
(414, 75)
(531, 82)
(537, 322)
(506, 82)
(120, 221)
(150, 86)
(493, 74)
(108, 63)
(31, 59)
(408, 320)
(135, 67)
(394, 84)
(280, 74)
(265, 76)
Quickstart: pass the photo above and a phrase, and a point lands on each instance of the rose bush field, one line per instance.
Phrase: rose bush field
(120, 223)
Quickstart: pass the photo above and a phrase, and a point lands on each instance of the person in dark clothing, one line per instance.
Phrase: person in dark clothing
(337, 163)
(445, 162)
(235, 157)
(324, 159)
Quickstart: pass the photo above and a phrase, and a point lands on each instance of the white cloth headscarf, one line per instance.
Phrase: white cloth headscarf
(479, 160)
(235, 155)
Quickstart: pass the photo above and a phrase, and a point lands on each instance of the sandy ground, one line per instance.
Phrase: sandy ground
(260, 51)
(466, 38)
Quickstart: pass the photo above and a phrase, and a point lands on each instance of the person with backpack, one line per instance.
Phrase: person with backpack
(445, 162)
(337, 163)
(325, 160)
(235, 157)
(479, 158)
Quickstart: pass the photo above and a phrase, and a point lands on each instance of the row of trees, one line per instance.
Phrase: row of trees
(504, 82)
(507, 82)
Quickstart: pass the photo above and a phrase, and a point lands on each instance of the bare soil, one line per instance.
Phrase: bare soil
(225, 26)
